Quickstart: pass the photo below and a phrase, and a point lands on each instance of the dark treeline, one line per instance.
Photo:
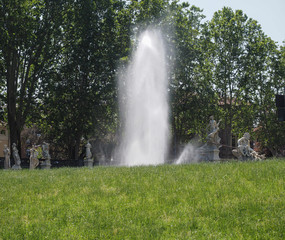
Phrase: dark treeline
(59, 61)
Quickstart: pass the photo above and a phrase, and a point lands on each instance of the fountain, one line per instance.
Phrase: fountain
(208, 152)
(144, 104)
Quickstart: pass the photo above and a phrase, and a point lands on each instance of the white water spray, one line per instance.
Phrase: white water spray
(145, 110)
(188, 155)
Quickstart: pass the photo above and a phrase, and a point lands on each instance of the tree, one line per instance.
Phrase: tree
(246, 77)
(191, 93)
(231, 34)
(82, 80)
(27, 29)
(270, 132)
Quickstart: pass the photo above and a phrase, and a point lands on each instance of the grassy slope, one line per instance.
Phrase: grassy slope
(199, 201)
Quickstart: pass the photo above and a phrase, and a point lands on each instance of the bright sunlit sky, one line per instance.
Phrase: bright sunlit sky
(270, 14)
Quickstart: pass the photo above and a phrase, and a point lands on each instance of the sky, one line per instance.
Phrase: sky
(270, 14)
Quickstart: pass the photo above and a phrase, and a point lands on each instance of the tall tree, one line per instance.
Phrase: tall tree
(191, 74)
(27, 29)
(228, 30)
(83, 78)
(246, 77)
(232, 34)
(270, 132)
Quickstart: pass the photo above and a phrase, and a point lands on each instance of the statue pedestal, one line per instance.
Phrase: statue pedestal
(88, 163)
(46, 164)
(16, 167)
(209, 152)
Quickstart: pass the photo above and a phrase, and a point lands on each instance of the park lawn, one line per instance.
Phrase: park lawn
(233, 200)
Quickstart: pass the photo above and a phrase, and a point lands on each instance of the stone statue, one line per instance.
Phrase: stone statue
(88, 162)
(213, 136)
(7, 163)
(88, 150)
(16, 157)
(34, 161)
(45, 148)
(244, 151)
(46, 156)
(210, 150)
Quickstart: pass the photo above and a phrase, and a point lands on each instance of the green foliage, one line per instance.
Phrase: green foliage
(237, 200)
(27, 29)
(245, 75)
(83, 78)
(189, 75)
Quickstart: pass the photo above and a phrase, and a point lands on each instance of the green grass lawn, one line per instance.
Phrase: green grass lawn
(235, 200)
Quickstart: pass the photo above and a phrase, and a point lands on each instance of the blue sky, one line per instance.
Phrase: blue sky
(270, 14)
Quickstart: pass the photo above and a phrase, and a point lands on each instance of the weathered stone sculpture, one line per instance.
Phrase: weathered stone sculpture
(16, 157)
(34, 161)
(88, 162)
(46, 164)
(210, 151)
(7, 163)
(213, 136)
(244, 151)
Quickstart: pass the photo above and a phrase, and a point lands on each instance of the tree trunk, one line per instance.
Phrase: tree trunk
(13, 123)
(77, 146)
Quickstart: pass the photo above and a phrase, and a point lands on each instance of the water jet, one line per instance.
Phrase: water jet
(144, 104)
